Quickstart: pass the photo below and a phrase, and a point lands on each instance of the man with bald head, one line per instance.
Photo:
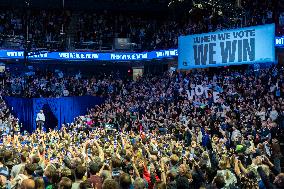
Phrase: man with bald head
(28, 184)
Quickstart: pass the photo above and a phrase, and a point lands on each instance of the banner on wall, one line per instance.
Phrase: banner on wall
(120, 56)
(230, 47)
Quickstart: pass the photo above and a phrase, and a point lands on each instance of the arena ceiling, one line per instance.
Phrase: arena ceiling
(88, 4)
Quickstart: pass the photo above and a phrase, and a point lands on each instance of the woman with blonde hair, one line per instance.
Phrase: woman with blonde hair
(39, 183)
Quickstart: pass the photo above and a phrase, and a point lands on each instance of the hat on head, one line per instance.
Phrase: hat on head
(240, 148)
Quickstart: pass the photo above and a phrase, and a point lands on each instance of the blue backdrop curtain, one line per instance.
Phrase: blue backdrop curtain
(57, 110)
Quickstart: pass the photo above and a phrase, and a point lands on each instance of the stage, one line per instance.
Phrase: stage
(57, 110)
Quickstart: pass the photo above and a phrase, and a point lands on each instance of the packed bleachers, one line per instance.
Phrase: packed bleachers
(44, 26)
(145, 31)
(56, 86)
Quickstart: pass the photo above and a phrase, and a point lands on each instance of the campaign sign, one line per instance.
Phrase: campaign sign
(229, 47)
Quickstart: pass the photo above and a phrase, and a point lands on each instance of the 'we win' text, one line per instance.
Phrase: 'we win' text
(238, 46)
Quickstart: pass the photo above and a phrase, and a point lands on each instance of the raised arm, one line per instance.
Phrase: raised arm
(134, 167)
(163, 171)
(101, 152)
(243, 169)
(237, 168)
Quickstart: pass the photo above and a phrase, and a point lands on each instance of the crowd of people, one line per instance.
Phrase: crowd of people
(162, 32)
(44, 27)
(145, 31)
(7, 121)
(153, 133)
(56, 85)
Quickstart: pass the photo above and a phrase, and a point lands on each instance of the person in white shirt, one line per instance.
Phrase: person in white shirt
(17, 168)
(261, 114)
(273, 114)
(40, 119)
(229, 176)
(65, 92)
(235, 134)
(199, 135)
